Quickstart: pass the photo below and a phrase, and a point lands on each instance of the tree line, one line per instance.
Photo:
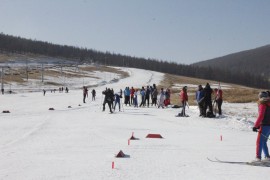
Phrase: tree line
(20, 45)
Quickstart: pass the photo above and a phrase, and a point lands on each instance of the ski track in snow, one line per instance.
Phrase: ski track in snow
(81, 142)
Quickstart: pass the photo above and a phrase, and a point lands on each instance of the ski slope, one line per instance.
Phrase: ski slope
(81, 142)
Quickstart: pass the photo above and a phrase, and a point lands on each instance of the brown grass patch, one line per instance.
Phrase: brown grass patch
(236, 93)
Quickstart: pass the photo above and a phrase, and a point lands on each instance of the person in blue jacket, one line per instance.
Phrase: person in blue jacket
(117, 97)
(143, 96)
(200, 100)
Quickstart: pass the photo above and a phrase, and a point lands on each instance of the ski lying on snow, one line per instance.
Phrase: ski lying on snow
(258, 163)
(228, 162)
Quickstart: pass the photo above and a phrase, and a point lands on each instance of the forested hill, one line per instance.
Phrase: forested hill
(18, 45)
(254, 61)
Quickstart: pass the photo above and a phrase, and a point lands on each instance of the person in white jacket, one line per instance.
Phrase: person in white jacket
(161, 98)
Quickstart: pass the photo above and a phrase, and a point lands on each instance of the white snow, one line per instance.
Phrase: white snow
(81, 142)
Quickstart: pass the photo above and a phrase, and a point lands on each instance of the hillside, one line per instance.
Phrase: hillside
(255, 61)
(17, 45)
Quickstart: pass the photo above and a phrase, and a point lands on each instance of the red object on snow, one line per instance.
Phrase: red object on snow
(120, 154)
(154, 136)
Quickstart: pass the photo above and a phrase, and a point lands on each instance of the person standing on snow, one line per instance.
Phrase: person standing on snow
(208, 100)
(127, 95)
(218, 99)
(161, 98)
(132, 91)
(85, 93)
(184, 100)
(167, 97)
(200, 100)
(136, 98)
(147, 95)
(93, 95)
(154, 96)
(263, 125)
(142, 92)
(109, 98)
(117, 100)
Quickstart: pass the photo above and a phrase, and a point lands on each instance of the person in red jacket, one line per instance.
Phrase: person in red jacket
(183, 100)
(132, 91)
(263, 125)
(218, 99)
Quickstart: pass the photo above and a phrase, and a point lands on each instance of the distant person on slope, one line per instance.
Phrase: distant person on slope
(263, 125)
(85, 93)
(93, 95)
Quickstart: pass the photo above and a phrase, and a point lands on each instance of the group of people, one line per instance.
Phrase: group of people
(204, 100)
(130, 95)
(150, 92)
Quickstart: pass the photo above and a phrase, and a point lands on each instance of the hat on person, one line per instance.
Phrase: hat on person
(263, 94)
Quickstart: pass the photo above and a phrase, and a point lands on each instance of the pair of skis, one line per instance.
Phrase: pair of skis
(252, 163)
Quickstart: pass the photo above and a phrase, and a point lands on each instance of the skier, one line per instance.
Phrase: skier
(108, 99)
(117, 100)
(85, 93)
(93, 95)
(263, 125)
(200, 100)
(183, 99)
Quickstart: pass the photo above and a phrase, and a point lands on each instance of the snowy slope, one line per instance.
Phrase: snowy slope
(81, 142)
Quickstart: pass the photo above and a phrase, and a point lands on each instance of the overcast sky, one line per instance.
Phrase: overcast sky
(173, 30)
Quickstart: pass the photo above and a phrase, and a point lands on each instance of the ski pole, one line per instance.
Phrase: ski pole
(187, 104)
(264, 135)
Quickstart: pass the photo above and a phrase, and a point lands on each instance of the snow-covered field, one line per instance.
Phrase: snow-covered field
(81, 142)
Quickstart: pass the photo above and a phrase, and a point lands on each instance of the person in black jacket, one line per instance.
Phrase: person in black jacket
(147, 95)
(208, 101)
(109, 98)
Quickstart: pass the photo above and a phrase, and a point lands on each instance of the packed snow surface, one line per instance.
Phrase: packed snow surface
(81, 142)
